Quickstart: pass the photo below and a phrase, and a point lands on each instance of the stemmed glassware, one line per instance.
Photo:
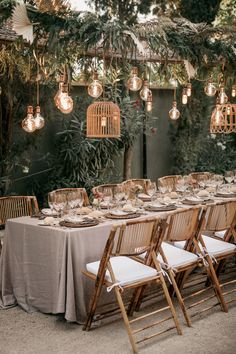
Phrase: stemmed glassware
(119, 194)
(60, 203)
(151, 189)
(229, 176)
(107, 196)
(51, 201)
(72, 200)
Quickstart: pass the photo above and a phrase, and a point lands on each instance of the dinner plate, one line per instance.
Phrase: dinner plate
(49, 212)
(225, 195)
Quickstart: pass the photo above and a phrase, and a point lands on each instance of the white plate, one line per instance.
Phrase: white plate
(48, 212)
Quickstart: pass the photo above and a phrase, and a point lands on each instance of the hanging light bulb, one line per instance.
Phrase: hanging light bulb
(184, 96)
(64, 101)
(28, 124)
(95, 89)
(189, 89)
(145, 92)
(58, 94)
(38, 119)
(134, 83)
(217, 116)
(149, 102)
(174, 112)
(223, 98)
(210, 89)
(233, 92)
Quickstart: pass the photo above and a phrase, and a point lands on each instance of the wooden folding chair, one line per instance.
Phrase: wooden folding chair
(220, 219)
(119, 271)
(15, 206)
(186, 225)
(68, 190)
(137, 181)
(169, 181)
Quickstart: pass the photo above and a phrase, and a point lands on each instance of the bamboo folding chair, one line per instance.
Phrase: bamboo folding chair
(169, 181)
(15, 206)
(220, 217)
(200, 176)
(119, 271)
(100, 189)
(137, 181)
(68, 190)
(186, 225)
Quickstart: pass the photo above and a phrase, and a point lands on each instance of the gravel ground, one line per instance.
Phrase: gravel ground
(37, 333)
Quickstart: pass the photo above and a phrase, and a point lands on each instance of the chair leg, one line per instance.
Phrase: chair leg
(92, 307)
(126, 320)
(216, 284)
(135, 299)
(179, 297)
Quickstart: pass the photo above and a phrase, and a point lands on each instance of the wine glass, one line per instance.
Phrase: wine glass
(71, 200)
(60, 202)
(229, 176)
(119, 194)
(151, 189)
(51, 201)
(107, 196)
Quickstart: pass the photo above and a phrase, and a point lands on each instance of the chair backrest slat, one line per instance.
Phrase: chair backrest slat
(183, 224)
(221, 216)
(15, 206)
(169, 181)
(68, 190)
(100, 189)
(200, 176)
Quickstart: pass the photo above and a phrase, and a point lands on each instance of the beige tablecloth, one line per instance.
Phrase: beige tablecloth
(41, 267)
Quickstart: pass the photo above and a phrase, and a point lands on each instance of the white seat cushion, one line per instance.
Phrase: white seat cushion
(220, 234)
(126, 270)
(176, 257)
(217, 247)
(1, 234)
(179, 244)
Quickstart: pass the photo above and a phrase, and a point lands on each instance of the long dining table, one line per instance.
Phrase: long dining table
(41, 266)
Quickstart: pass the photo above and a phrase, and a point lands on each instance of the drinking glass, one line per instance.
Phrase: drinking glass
(229, 176)
(107, 196)
(60, 203)
(119, 194)
(71, 200)
(151, 189)
(51, 201)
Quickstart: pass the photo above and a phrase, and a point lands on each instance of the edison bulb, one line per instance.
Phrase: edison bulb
(134, 83)
(65, 103)
(189, 89)
(233, 92)
(95, 89)
(210, 89)
(184, 96)
(58, 94)
(149, 102)
(145, 92)
(28, 124)
(38, 119)
(223, 98)
(174, 112)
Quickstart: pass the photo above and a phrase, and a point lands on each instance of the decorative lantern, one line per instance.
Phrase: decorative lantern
(223, 119)
(103, 120)
(134, 83)
(28, 124)
(95, 89)
(223, 98)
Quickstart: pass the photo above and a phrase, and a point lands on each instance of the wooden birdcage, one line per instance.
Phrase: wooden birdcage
(226, 121)
(103, 120)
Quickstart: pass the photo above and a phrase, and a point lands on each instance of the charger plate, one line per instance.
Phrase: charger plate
(197, 201)
(125, 216)
(160, 208)
(225, 195)
(86, 223)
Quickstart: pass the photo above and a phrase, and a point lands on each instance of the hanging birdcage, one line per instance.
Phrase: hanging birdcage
(223, 119)
(103, 120)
